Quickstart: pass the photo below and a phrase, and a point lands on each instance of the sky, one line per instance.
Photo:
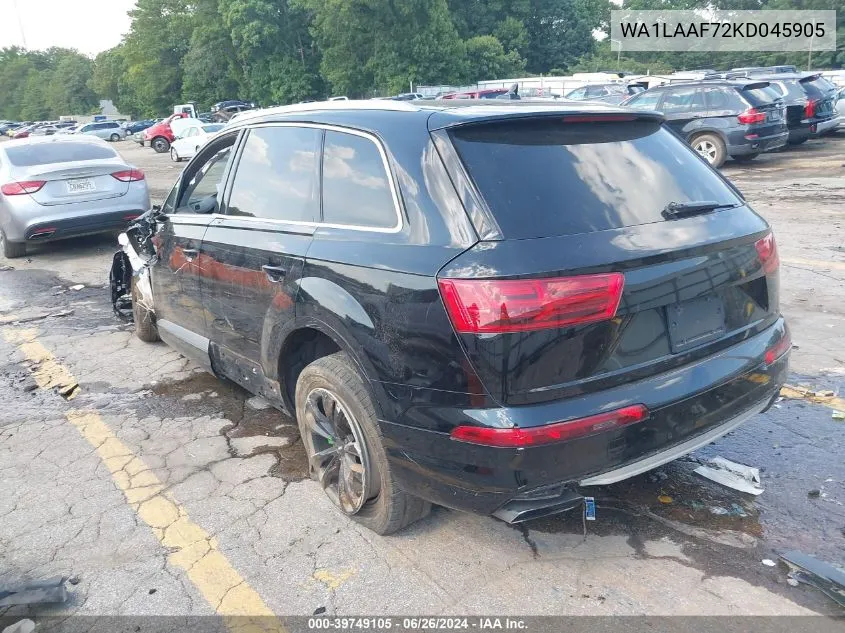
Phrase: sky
(90, 26)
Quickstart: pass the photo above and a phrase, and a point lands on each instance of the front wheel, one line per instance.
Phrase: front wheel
(160, 144)
(114, 138)
(711, 148)
(343, 444)
(174, 156)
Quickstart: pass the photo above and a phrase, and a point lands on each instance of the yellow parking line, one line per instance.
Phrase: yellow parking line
(799, 393)
(192, 548)
(814, 263)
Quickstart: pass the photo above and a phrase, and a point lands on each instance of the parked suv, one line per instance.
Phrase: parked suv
(605, 93)
(476, 306)
(810, 104)
(720, 118)
(108, 130)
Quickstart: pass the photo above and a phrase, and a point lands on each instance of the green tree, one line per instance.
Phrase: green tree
(34, 103)
(561, 31)
(69, 91)
(486, 59)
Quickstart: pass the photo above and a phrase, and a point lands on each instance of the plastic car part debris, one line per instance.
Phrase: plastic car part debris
(21, 626)
(823, 576)
(44, 591)
(732, 475)
(120, 280)
(838, 415)
(77, 287)
(664, 499)
(768, 562)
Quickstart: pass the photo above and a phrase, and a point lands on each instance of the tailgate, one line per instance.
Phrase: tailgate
(592, 285)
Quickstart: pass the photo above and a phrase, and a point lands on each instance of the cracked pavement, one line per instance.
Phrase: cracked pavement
(163, 492)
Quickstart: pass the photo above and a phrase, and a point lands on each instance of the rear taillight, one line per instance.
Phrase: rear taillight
(810, 109)
(778, 349)
(129, 175)
(550, 433)
(752, 115)
(767, 251)
(495, 306)
(20, 188)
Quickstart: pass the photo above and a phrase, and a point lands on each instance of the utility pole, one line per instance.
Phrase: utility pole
(20, 24)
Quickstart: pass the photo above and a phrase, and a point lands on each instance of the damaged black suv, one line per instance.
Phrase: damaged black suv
(487, 307)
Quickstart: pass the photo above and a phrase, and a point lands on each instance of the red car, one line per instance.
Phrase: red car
(23, 132)
(491, 93)
(160, 135)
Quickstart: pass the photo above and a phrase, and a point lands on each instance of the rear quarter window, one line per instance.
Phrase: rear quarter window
(546, 177)
(48, 153)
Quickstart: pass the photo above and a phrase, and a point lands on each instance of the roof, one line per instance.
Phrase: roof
(439, 113)
(55, 138)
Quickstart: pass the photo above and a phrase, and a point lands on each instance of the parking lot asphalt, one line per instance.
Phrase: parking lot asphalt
(162, 491)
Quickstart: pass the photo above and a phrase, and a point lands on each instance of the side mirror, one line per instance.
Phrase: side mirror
(205, 205)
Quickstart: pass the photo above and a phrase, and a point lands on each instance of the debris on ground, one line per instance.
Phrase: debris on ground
(664, 499)
(44, 591)
(815, 493)
(838, 415)
(792, 582)
(258, 403)
(5, 268)
(77, 287)
(22, 626)
(732, 475)
(768, 562)
(811, 571)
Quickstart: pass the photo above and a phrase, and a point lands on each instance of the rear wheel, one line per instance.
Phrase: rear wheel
(344, 448)
(160, 144)
(12, 250)
(114, 138)
(745, 158)
(799, 141)
(711, 148)
(145, 327)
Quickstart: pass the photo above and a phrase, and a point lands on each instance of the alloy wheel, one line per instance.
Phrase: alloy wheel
(707, 150)
(337, 455)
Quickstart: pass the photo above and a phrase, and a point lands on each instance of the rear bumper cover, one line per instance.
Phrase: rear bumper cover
(828, 125)
(689, 407)
(761, 144)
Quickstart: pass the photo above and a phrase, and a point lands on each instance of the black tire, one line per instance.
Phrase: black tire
(114, 138)
(12, 250)
(145, 326)
(160, 144)
(799, 141)
(387, 508)
(745, 158)
(711, 147)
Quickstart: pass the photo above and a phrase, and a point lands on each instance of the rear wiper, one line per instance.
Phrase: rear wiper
(676, 210)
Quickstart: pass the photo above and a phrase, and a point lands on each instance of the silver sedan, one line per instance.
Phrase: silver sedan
(56, 187)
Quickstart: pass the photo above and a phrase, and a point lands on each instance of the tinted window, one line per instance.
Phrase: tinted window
(578, 93)
(645, 101)
(356, 189)
(679, 100)
(206, 179)
(760, 96)
(721, 99)
(277, 176)
(543, 178)
(47, 153)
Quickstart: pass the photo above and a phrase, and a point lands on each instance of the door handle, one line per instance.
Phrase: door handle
(274, 273)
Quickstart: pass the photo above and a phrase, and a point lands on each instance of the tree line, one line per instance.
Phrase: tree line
(285, 51)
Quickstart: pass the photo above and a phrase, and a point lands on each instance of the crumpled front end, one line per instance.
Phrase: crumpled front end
(134, 260)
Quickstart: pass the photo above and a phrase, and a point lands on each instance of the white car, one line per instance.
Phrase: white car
(191, 139)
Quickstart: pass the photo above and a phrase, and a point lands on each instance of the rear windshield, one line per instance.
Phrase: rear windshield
(48, 153)
(816, 89)
(546, 177)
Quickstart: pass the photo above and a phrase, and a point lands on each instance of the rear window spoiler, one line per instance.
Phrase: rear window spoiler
(450, 118)
(756, 85)
(810, 78)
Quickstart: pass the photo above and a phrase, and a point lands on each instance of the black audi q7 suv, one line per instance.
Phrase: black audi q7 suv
(488, 307)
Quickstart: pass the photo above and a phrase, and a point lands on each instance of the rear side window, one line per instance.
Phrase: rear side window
(48, 153)
(760, 96)
(645, 100)
(356, 185)
(277, 177)
(547, 177)
(681, 100)
(724, 99)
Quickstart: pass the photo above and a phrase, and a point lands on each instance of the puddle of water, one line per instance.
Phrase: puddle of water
(204, 394)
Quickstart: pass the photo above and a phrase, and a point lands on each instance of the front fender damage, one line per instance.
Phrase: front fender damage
(134, 260)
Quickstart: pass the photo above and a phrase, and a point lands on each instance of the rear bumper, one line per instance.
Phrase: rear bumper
(826, 126)
(689, 407)
(38, 223)
(758, 145)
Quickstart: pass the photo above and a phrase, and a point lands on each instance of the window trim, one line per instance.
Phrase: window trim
(394, 190)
